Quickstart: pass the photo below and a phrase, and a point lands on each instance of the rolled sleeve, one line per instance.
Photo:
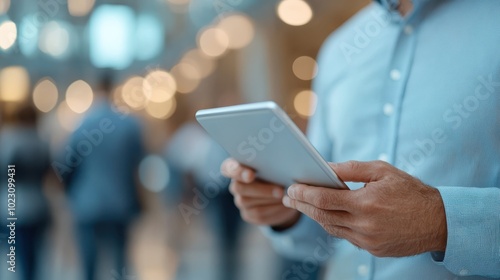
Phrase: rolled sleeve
(473, 220)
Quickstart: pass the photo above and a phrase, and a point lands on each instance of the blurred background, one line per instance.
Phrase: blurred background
(114, 178)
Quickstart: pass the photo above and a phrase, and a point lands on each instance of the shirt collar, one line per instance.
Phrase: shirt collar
(392, 5)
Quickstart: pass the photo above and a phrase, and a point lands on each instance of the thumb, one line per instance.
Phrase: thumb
(357, 171)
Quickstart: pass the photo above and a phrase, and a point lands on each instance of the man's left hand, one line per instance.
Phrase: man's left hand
(394, 215)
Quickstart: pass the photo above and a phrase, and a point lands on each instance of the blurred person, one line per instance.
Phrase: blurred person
(99, 168)
(414, 84)
(22, 146)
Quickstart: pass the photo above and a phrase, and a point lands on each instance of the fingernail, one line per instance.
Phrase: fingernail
(278, 193)
(246, 176)
(286, 201)
(232, 165)
(291, 191)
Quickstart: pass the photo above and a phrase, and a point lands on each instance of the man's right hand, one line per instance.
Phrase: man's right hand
(260, 203)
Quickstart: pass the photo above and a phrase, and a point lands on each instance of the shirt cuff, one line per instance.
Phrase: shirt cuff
(473, 221)
(306, 238)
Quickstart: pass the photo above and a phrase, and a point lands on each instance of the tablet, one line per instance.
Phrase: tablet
(263, 137)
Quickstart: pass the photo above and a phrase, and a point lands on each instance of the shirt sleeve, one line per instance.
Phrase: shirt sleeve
(473, 220)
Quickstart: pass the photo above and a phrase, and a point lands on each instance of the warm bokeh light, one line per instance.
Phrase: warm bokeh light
(153, 173)
(54, 39)
(305, 68)
(8, 34)
(45, 95)
(294, 12)
(68, 119)
(163, 110)
(305, 103)
(133, 93)
(213, 41)
(159, 86)
(4, 6)
(204, 64)
(79, 8)
(186, 76)
(79, 96)
(14, 84)
(239, 29)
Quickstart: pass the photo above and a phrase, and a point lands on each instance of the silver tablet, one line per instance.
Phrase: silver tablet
(263, 137)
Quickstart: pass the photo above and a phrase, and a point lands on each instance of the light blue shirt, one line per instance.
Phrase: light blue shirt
(422, 93)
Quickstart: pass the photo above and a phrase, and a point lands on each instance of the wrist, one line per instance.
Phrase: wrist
(439, 226)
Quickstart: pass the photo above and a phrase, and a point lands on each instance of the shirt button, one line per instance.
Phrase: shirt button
(388, 109)
(363, 270)
(383, 157)
(408, 29)
(395, 75)
(464, 272)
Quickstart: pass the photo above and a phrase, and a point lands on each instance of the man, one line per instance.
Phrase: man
(415, 85)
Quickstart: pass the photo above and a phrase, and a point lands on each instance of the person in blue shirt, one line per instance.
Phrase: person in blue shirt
(99, 168)
(409, 104)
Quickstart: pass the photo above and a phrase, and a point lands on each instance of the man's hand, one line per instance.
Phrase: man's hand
(394, 215)
(260, 203)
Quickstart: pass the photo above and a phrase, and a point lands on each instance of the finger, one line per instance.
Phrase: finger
(233, 169)
(323, 198)
(357, 171)
(257, 189)
(341, 232)
(262, 215)
(324, 217)
(248, 202)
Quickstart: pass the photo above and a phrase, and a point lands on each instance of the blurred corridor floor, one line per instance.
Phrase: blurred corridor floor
(150, 257)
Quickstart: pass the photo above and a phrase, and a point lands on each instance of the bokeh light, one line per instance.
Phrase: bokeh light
(305, 68)
(159, 86)
(68, 119)
(14, 84)
(162, 110)
(4, 6)
(133, 93)
(8, 34)
(294, 12)
(54, 39)
(239, 29)
(305, 103)
(79, 96)
(213, 41)
(204, 64)
(45, 95)
(80, 8)
(154, 173)
(186, 76)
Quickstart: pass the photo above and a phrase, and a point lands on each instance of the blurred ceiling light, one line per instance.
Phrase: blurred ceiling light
(79, 96)
(14, 84)
(305, 68)
(305, 103)
(186, 76)
(54, 39)
(149, 37)
(213, 41)
(8, 34)
(45, 95)
(159, 86)
(68, 119)
(133, 93)
(28, 35)
(202, 62)
(80, 8)
(294, 12)
(4, 6)
(154, 173)
(239, 28)
(162, 110)
(111, 36)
